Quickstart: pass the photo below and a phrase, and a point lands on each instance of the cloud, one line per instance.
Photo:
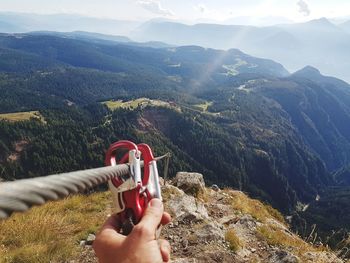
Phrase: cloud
(201, 8)
(304, 8)
(155, 7)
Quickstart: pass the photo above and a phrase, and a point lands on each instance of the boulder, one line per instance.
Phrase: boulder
(209, 233)
(187, 209)
(190, 183)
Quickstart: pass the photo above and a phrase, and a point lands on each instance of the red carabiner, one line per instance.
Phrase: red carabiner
(131, 203)
(111, 156)
(147, 158)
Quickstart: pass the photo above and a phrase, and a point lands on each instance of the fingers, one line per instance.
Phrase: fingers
(166, 219)
(109, 232)
(113, 223)
(164, 249)
(153, 215)
(150, 221)
(108, 238)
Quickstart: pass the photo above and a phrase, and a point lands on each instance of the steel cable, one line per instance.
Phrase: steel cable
(21, 195)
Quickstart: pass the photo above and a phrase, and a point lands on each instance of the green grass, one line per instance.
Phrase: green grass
(51, 233)
(204, 106)
(22, 116)
(133, 104)
(232, 70)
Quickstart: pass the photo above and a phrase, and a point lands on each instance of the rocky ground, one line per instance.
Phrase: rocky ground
(214, 225)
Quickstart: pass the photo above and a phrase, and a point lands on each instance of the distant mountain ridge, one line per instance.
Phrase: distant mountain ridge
(26, 22)
(318, 42)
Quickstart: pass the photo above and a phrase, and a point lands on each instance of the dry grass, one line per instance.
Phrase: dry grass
(170, 191)
(204, 196)
(233, 240)
(254, 207)
(22, 116)
(276, 236)
(51, 233)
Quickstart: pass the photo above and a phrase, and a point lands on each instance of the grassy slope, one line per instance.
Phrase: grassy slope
(51, 233)
(22, 116)
(48, 233)
(133, 104)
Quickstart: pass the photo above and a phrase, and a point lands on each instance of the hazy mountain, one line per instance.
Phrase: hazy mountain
(345, 26)
(119, 56)
(88, 36)
(258, 21)
(319, 42)
(23, 22)
(6, 27)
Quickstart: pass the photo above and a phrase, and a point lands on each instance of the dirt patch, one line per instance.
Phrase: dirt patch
(19, 147)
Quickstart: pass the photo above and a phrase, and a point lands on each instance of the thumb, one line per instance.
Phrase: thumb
(151, 218)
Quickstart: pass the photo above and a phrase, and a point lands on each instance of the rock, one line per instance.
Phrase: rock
(247, 221)
(185, 209)
(215, 188)
(209, 232)
(171, 191)
(190, 183)
(281, 256)
(82, 243)
(90, 239)
(228, 220)
(243, 253)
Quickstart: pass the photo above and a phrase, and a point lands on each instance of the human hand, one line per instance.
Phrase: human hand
(140, 246)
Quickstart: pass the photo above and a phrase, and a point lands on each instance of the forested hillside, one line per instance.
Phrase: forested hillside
(243, 122)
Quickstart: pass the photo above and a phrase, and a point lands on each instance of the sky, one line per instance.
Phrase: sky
(191, 11)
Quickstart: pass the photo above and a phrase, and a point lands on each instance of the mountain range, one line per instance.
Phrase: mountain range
(11, 22)
(318, 42)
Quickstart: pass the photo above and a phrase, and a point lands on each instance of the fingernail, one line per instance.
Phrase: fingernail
(156, 203)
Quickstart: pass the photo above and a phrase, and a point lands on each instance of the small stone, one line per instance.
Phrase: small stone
(282, 256)
(90, 239)
(215, 188)
(82, 243)
(185, 243)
